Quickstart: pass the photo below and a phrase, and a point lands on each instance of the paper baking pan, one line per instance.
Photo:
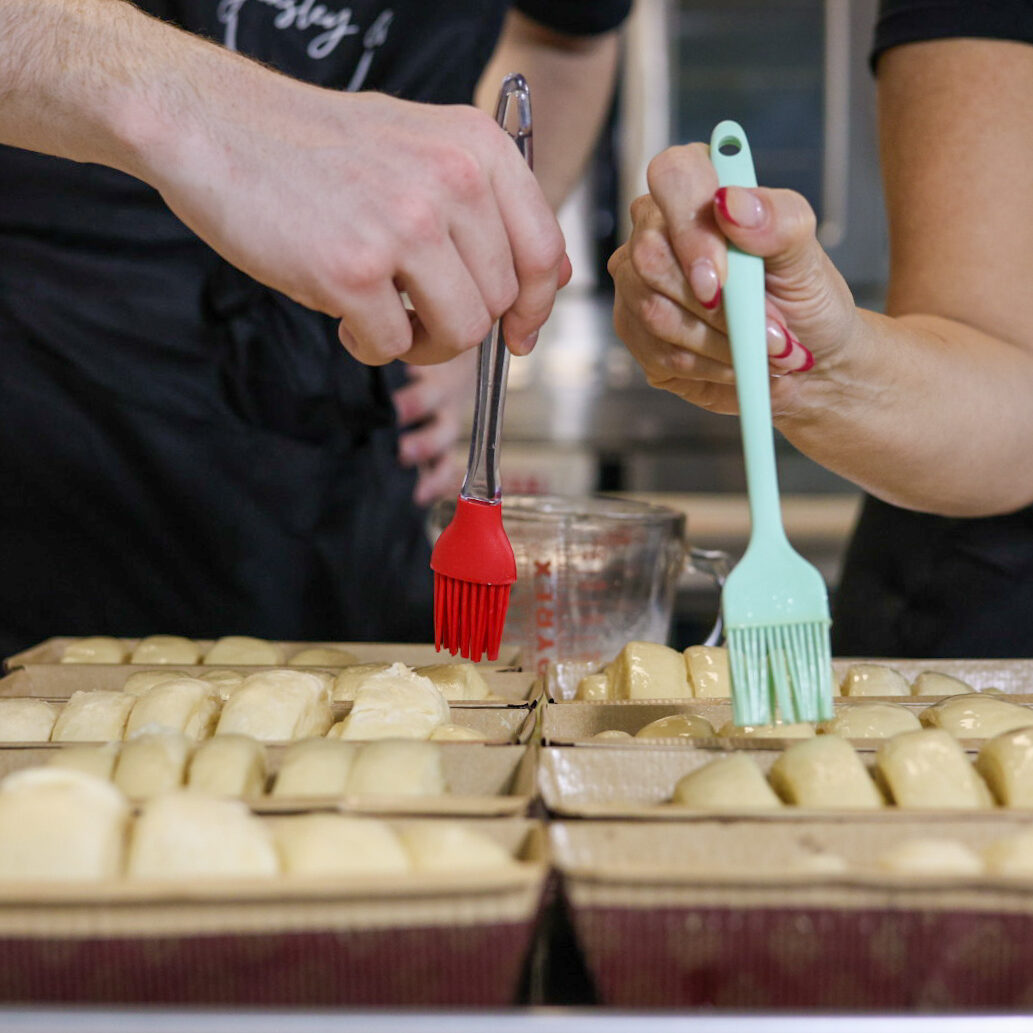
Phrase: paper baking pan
(718, 914)
(428, 941)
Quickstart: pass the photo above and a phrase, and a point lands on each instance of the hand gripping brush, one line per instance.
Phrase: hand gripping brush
(774, 603)
(473, 563)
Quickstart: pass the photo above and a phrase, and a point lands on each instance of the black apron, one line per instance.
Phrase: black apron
(916, 585)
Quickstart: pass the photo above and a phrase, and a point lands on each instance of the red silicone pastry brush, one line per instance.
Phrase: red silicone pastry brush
(473, 563)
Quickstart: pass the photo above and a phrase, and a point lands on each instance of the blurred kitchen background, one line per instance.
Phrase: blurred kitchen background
(579, 415)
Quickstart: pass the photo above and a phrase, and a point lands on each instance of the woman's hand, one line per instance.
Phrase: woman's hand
(670, 273)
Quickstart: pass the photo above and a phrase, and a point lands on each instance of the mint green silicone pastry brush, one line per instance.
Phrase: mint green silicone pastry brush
(774, 603)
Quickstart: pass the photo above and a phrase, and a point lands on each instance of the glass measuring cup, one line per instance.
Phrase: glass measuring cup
(593, 573)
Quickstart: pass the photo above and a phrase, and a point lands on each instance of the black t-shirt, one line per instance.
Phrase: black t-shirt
(182, 449)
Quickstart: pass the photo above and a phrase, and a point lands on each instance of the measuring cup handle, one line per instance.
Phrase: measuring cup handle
(713, 564)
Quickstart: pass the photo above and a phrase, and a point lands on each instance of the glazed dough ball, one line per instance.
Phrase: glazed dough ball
(56, 823)
(26, 720)
(611, 735)
(277, 706)
(677, 726)
(334, 845)
(98, 761)
(457, 681)
(933, 683)
(140, 682)
(395, 704)
(976, 717)
(648, 670)
(228, 765)
(323, 656)
(152, 764)
(184, 705)
(446, 846)
(315, 767)
(709, 673)
(824, 772)
(1006, 762)
(187, 835)
(225, 682)
(350, 679)
(457, 733)
(397, 767)
(930, 857)
(165, 649)
(594, 687)
(732, 783)
(929, 769)
(1012, 855)
(803, 730)
(97, 716)
(242, 649)
(100, 649)
(874, 680)
(871, 721)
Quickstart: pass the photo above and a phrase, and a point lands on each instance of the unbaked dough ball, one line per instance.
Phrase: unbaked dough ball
(802, 730)
(612, 735)
(874, 680)
(397, 767)
(709, 673)
(733, 783)
(824, 772)
(594, 687)
(186, 705)
(457, 733)
(190, 835)
(446, 846)
(930, 857)
(152, 764)
(228, 765)
(165, 649)
(315, 767)
(1006, 762)
(277, 706)
(395, 704)
(224, 681)
(323, 656)
(458, 681)
(101, 649)
(26, 720)
(976, 717)
(98, 761)
(243, 649)
(933, 683)
(56, 823)
(351, 678)
(929, 769)
(97, 716)
(871, 721)
(333, 845)
(677, 726)
(140, 682)
(648, 670)
(1011, 855)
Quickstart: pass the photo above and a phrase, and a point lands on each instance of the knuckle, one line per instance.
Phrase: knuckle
(358, 269)
(654, 311)
(461, 174)
(650, 258)
(421, 221)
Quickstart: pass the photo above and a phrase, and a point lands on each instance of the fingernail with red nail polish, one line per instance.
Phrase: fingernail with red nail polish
(739, 207)
(808, 359)
(705, 283)
(780, 341)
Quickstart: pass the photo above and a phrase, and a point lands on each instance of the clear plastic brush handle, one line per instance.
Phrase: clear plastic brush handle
(513, 114)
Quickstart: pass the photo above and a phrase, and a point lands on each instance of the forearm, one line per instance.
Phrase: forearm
(571, 85)
(924, 412)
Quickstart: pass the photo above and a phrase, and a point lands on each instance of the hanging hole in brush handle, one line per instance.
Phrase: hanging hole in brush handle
(715, 565)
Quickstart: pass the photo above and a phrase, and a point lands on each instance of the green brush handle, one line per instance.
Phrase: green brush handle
(743, 297)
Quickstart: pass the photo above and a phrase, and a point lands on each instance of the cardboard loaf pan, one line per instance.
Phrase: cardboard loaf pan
(725, 915)
(59, 681)
(636, 783)
(51, 650)
(427, 940)
(483, 781)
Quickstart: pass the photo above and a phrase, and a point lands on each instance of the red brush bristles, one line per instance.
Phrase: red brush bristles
(468, 617)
